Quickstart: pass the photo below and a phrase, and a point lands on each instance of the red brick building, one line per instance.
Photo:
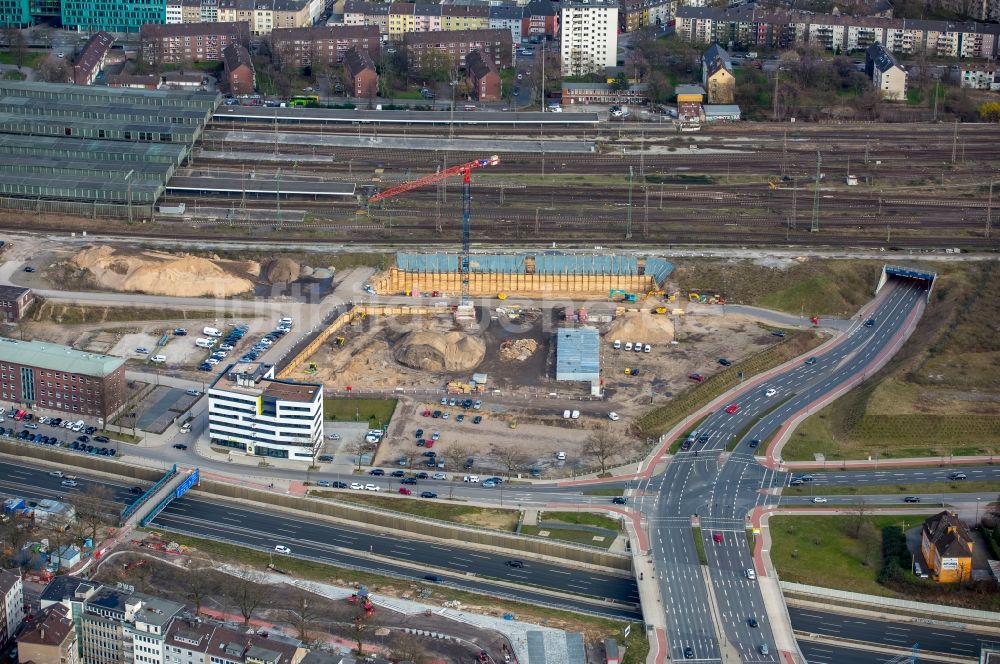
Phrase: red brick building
(360, 71)
(59, 378)
(323, 44)
(494, 45)
(483, 77)
(190, 42)
(541, 18)
(240, 77)
(13, 302)
(92, 58)
(138, 81)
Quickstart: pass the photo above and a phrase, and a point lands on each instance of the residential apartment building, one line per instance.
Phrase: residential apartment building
(250, 410)
(946, 546)
(636, 14)
(265, 16)
(14, 301)
(357, 12)
(984, 76)
(190, 42)
(60, 378)
(359, 71)
(92, 58)
(541, 19)
(749, 27)
(885, 73)
(483, 77)
(118, 625)
(323, 44)
(396, 19)
(507, 17)
(50, 638)
(589, 33)
(717, 75)
(237, 70)
(111, 15)
(495, 45)
(11, 604)
(199, 642)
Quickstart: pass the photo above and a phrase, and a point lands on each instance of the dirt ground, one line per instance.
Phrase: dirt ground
(523, 392)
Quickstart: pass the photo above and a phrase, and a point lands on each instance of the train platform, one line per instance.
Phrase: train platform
(473, 145)
(359, 116)
(256, 186)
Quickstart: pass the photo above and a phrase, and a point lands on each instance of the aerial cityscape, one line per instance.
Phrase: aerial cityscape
(506, 331)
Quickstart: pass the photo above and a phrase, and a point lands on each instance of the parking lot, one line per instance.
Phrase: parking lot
(71, 434)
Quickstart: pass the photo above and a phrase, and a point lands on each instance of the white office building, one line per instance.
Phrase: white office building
(589, 32)
(11, 604)
(251, 411)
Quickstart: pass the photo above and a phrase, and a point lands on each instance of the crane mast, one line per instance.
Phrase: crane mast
(465, 170)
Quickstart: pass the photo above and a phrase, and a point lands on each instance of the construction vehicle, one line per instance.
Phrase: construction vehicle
(660, 310)
(339, 342)
(501, 296)
(618, 295)
(465, 170)
(773, 183)
(656, 293)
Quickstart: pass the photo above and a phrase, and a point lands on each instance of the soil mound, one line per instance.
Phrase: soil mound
(160, 273)
(638, 326)
(281, 271)
(432, 351)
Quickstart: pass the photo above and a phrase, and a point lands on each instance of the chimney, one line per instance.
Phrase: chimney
(42, 632)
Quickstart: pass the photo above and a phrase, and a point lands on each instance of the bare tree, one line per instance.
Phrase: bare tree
(455, 455)
(358, 448)
(199, 585)
(17, 44)
(859, 517)
(95, 508)
(50, 71)
(303, 614)
(12, 538)
(247, 593)
(407, 647)
(603, 444)
(509, 456)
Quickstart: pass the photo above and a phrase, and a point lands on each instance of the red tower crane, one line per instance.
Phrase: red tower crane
(465, 170)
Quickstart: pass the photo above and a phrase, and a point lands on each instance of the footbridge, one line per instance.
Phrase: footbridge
(174, 484)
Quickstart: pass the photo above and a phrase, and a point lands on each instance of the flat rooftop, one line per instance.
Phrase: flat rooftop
(578, 354)
(313, 115)
(261, 185)
(291, 391)
(57, 358)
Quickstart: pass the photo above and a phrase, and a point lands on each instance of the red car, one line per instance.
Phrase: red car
(733, 408)
(429, 444)
(426, 413)
(403, 490)
(696, 377)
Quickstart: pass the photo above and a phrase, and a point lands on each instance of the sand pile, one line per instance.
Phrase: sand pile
(644, 327)
(433, 351)
(519, 350)
(280, 271)
(160, 273)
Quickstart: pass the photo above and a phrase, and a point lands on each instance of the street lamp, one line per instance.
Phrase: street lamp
(451, 124)
(976, 522)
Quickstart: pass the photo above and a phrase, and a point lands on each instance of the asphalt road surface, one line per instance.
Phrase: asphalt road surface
(720, 489)
(605, 594)
(930, 638)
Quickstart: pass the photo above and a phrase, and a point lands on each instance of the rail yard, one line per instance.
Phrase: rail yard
(730, 184)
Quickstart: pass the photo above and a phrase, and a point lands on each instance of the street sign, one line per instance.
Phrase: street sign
(187, 484)
(628, 630)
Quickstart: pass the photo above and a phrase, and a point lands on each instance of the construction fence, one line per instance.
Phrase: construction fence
(489, 284)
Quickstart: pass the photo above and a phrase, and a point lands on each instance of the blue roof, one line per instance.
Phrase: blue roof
(578, 354)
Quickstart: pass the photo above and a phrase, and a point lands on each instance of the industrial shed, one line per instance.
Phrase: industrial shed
(94, 150)
(578, 355)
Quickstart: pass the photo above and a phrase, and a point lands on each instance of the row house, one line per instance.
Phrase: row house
(985, 76)
(189, 42)
(494, 45)
(541, 19)
(483, 77)
(749, 27)
(92, 58)
(357, 12)
(323, 44)
(538, 18)
(636, 14)
(510, 18)
(263, 16)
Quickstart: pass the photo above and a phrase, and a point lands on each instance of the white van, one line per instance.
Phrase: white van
(211, 332)
(566, 414)
(628, 345)
(287, 320)
(158, 359)
(204, 343)
(575, 415)
(648, 349)
(618, 344)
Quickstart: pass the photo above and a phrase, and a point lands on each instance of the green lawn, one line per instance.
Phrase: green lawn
(375, 411)
(819, 551)
(499, 519)
(31, 58)
(584, 519)
(883, 489)
(604, 492)
(699, 545)
(577, 536)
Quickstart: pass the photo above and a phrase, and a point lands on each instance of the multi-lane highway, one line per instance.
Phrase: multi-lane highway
(603, 593)
(720, 488)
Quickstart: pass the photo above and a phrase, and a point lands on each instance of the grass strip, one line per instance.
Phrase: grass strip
(604, 492)
(345, 409)
(883, 489)
(486, 517)
(699, 545)
(576, 536)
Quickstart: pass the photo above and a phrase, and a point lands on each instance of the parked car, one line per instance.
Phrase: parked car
(696, 377)
(725, 362)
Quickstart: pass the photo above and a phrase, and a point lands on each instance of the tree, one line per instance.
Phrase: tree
(601, 445)
(17, 45)
(435, 65)
(408, 648)
(247, 593)
(95, 508)
(199, 585)
(990, 111)
(620, 84)
(509, 456)
(859, 517)
(658, 87)
(302, 614)
(53, 71)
